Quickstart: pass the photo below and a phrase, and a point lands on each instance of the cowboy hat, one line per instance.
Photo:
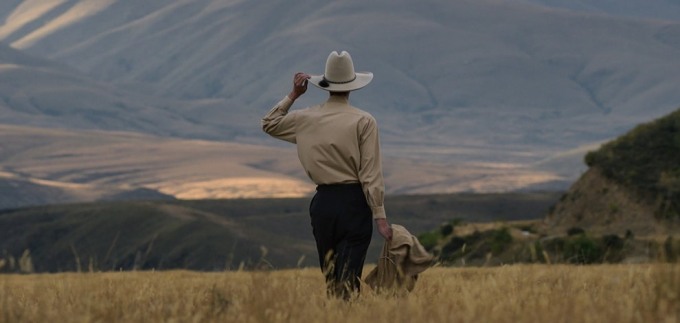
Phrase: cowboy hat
(340, 76)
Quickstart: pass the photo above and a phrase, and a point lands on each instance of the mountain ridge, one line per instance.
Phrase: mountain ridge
(652, 10)
(458, 83)
(496, 62)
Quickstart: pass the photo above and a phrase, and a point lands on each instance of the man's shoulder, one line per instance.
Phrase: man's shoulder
(308, 110)
(362, 112)
(321, 109)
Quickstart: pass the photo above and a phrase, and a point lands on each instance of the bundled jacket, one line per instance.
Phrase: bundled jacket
(401, 260)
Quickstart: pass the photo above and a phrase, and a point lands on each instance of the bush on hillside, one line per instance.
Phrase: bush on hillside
(671, 250)
(646, 159)
(583, 250)
(454, 245)
(500, 240)
(575, 231)
(429, 240)
(446, 229)
(612, 241)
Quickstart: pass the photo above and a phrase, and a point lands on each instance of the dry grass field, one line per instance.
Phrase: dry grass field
(519, 293)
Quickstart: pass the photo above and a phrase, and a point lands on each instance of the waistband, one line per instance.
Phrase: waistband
(338, 187)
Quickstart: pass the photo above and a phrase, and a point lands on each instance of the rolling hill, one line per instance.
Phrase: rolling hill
(624, 208)
(633, 183)
(217, 234)
(47, 166)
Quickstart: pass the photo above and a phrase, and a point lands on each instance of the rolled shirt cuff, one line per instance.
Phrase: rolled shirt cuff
(378, 212)
(284, 104)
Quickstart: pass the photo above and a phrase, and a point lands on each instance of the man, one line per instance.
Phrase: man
(339, 149)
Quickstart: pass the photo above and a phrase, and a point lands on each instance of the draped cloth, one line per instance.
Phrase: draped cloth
(400, 262)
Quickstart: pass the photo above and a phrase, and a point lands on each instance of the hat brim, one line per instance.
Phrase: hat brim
(362, 79)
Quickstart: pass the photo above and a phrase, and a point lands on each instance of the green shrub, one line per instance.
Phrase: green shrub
(453, 246)
(575, 231)
(629, 234)
(612, 241)
(500, 239)
(583, 250)
(613, 208)
(446, 229)
(429, 239)
(535, 249)
(670, 251)
(591, 158)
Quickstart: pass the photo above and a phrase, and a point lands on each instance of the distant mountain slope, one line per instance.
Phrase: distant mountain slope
(513, 89)
(486, 73)
(46, 166)
(633, 182)
(15, 193)
(20, 190)
(217, 234)
(39, 92)
(644, 9)
(96, 165)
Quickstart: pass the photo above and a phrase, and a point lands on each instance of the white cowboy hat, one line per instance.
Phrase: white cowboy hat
(340, 76)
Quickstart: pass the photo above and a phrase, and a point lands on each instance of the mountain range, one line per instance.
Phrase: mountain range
(468, 94)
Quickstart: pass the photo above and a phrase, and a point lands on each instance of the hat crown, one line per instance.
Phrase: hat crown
(339, 68)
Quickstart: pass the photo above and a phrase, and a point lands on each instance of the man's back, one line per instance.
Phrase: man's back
(329, 140)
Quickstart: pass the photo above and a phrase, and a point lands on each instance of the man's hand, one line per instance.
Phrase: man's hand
(384, 229)
(299, 85)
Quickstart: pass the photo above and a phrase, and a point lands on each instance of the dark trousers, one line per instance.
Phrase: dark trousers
(342, 223)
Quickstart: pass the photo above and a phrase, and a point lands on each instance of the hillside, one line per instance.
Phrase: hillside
(650, 9)
(99, 165)
(43, 93)
(46, 166)
(633, 183)
(493, 76)
(218, 234)
(624, 208)
(474, 96)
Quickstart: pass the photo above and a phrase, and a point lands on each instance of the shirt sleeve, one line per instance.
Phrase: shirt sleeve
(278, 123)
(370, 169)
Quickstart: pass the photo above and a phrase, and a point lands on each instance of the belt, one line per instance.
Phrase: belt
(338, 187)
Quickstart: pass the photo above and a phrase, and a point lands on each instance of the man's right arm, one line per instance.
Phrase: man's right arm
(278, 123)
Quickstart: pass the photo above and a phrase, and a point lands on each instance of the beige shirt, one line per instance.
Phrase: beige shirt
(336, 143)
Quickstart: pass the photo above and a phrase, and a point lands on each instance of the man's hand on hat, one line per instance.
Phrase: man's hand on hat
(299, 85)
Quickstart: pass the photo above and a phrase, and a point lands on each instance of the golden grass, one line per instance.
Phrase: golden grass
(526, 293)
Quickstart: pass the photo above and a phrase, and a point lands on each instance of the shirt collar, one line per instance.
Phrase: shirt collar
(338, 99)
